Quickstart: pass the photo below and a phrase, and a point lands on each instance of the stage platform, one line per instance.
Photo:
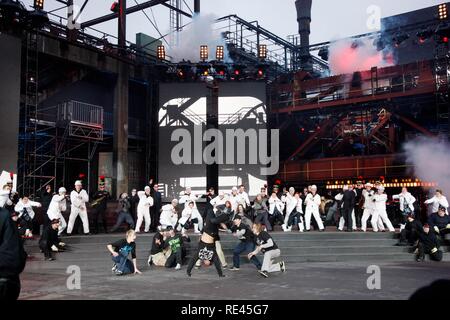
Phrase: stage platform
(330, 265)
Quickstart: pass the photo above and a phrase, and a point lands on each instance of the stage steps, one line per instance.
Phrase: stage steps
(295, 247)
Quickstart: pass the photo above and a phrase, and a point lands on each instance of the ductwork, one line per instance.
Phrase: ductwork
(304, 26)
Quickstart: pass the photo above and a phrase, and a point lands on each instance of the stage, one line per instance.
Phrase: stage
(401, 276)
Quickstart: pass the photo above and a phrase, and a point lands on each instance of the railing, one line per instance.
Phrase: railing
(81, 113)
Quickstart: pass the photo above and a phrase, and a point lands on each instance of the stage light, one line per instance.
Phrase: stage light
(219, 53)
(204, 53)
(423, 35)
(400, 38)
(443, 13)
(443, 32)
(115, 7)
(262, 51)
(161, 52)
(238, 71)
(323, 54)
(39, 4)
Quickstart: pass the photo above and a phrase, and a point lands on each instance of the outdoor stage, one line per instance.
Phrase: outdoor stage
(341, 275)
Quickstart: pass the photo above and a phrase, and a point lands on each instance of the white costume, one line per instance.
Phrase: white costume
(292, 203)
(380, 212)
(190, 214)
(243, 199)
(168, 217)
(20, 207)
(437, 202)
(56, 207)
(221, 199)
(369, 206)
(312, 209)
(143, 210)
(406, 200)
(4, 198)
(78, 207)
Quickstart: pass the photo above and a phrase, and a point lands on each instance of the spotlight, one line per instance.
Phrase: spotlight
(238, 71)
(161, 52)
(203, 69)
(221, 70)
(262, 51)
(443, 32)
(115, 7)
(423, 35)
(400, 38)
(323, 54)
(219, 53)
(261, 70)
(443, 13)
(204, 53)
(39, 4)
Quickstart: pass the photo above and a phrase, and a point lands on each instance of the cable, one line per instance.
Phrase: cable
(156, 27)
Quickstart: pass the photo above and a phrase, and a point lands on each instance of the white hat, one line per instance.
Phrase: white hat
(147, 188)
(291, 189)
(78, 183)
(62, 190)
(314, 187)
(175, 201)
(368, 184)
(234, 189)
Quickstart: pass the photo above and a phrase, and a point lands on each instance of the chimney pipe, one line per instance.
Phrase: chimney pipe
(304, 22)
(197, 6)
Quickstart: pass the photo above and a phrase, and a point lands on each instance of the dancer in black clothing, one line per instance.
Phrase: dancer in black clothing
(99, 204)
(428, 244)
(410, 234)
(50, 241)
(207, 248)
(12, 258)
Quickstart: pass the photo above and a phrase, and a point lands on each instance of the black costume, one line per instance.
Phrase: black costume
(429, 244)
(348, 200)
(100, 198)
(410, 234)
(48, 239)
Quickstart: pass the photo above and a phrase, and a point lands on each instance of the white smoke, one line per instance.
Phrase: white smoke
(430, 158)
(349, 56)
(199, 32)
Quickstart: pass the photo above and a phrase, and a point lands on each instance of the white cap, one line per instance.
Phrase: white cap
(314, 187)
(234, 189)
(368, 184)
(78, 183)
(147, 188)
(62, 190)
(291, 189)
(175, 201)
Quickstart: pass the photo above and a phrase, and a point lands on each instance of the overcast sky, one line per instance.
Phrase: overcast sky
(330, 18)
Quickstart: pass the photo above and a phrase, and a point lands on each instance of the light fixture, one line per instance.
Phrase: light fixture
(443, 13)
(219, 53)
(161, 52)
(39, 4)
(204, 53)
(262, 51)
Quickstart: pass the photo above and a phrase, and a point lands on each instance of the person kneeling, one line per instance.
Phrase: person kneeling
(175, 243)
(428, 244)
(158, 254)
(410, 233)
(266, 245)
(246, 244)
(120, 251)
(50, 241)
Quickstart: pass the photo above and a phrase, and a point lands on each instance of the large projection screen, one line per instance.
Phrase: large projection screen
(242, 105)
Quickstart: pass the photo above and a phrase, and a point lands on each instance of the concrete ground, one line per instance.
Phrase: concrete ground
(311, 281)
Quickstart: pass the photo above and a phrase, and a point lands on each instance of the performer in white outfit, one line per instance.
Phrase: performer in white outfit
(143, 209)
(244, 200)
(380, 199)
(220, 200)
(406, 205)
(169, 215)
(25, 210)
(369, 205)
(190, 214)
(234, 198)
(312, 202)
(186, 198)
(5, 195)
(276, 207)
(57, 205)
(78, 199)
(339, 197)
(293, 204)
(439, 200)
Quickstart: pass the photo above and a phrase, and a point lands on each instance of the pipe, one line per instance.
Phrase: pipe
(196, 6)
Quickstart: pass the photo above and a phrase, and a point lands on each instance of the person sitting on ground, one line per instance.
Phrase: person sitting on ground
(410, 233)
(276, 207)
(120, 251)
(428, 244)
(169, 215)
(268, 247)
(159, 254)
(175, 242)
(189, 216)
(261, 212)
(123, 209)
(26, 214)
(440, 223)
(20, 227)
(247, 243)
(50, 241)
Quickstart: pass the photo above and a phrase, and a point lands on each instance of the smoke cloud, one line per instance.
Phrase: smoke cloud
(349, 56)
(199, 32)
(430, 158)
